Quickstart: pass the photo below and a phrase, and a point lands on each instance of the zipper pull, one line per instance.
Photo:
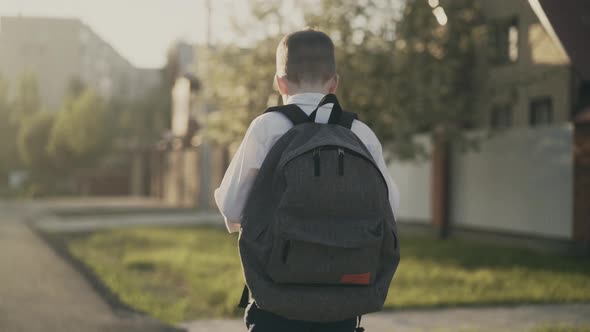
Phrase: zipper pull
(340, 161)
(316, 162)
(286, 249)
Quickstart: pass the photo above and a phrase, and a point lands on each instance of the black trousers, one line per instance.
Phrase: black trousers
(258, 320)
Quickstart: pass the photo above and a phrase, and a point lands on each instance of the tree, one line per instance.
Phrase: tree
(417, 75)
(27, 101)
(401, 71)
(144, 120)
(363, 34)
(436, 84)
(242, 88)
(83, 132)
(33, 136)
(241, 79)
(437, 71)
(9, 159)
(26, 104)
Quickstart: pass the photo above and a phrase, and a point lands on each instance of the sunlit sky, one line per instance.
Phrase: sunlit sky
(141, 30)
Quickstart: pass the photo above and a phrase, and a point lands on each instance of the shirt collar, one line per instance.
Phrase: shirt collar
(308, 99)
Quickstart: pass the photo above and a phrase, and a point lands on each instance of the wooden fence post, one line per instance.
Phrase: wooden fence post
(440, 185)
(581, 185)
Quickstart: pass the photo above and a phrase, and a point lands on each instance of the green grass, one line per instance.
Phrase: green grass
(562, 328)
(177, 274)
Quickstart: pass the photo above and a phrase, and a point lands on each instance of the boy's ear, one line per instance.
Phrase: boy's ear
(333, 84)
(282, 85)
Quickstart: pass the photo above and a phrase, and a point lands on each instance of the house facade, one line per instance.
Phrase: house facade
(531, 81)
(520, 181)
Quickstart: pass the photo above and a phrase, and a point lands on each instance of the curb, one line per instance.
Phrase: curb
(118, 307)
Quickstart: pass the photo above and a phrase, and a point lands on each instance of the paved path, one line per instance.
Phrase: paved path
(41, 292)
(89, 214)
(90, 223)
(513, 319)
(21, 252)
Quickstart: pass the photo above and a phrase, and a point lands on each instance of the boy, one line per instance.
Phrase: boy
(306, 71)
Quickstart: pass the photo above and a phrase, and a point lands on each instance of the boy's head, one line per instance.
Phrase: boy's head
(306, 63)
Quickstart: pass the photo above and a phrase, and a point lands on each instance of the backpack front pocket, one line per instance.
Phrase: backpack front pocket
(341, 258)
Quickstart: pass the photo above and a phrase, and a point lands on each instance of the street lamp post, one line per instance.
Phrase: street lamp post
(205, 155)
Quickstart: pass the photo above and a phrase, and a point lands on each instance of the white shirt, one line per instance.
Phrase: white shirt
(263, 132)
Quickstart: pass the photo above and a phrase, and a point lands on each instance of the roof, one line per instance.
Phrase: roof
(569, 22)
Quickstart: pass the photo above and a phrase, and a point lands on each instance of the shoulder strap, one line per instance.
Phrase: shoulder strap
(245, 297)
(336, 112)
(337, 115)
(295, 114)
(347, 118)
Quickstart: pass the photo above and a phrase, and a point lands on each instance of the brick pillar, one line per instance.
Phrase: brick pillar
(581, 222)
(440, 186)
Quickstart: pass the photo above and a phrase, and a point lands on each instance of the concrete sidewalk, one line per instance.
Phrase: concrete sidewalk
(492, 319)
(40, 292)
(35, 283)
(49, 223)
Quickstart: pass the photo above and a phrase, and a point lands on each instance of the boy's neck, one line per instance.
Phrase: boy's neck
(302, 90)
(288, 98)
(314, 95)
(293, 89)
(308, 88)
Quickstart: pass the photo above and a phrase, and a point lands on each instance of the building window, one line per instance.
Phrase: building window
(501, 117)
(503, 41)
(541, 111)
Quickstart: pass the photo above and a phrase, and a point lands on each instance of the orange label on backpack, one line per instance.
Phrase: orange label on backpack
(357, 279)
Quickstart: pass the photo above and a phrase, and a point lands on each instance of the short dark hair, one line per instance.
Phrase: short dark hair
(306, 56)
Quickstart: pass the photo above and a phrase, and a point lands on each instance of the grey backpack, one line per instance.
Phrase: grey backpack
(318, 240)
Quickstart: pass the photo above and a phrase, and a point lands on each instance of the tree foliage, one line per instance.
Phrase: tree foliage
(9, 158)
(27, 101)
(363, 35)
(16, 118)
(33, 136)
(241, 78)
(241, 86)
(142, 122)
(437, 70)
(401, 70)
(83, 131)
(21, 127)
(410, 77)
(57, 146)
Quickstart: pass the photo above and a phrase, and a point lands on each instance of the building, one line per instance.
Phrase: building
(59, 50)
(530, 79)
(187, 167)
(522, 182)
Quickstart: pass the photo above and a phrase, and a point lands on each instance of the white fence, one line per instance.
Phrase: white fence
(519, 181)
(413, 182)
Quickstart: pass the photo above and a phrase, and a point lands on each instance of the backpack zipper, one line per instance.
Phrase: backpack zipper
(286, 249)
(316, 162)
(340, 161)
(353, 152)
(316, 154)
